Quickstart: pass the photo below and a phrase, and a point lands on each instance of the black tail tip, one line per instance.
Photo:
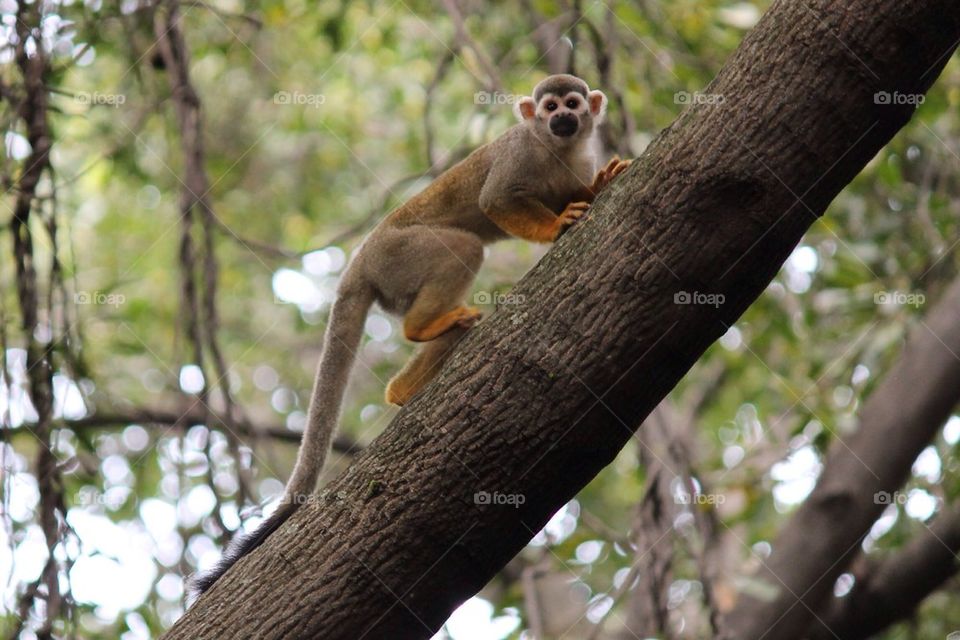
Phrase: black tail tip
(241, 545)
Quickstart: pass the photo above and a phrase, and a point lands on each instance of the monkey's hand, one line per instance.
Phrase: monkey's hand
(605, 176)
(569, 216)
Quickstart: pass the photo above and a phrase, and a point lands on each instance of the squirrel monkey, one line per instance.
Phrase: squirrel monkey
(533, 182)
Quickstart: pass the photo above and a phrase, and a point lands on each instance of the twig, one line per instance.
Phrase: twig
(255, 22)
(187, 106)
(547, 34)
(183, 419)
(604, 45)
(465, 41)
(270, 251)
(531, 599)
(442, 68)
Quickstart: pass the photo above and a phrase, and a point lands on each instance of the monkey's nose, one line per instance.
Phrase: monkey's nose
(563, 125)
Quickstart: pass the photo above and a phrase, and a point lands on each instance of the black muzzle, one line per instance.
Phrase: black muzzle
(563, 125)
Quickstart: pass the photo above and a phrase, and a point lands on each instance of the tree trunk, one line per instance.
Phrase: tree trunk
(898, 420)
(542, 395)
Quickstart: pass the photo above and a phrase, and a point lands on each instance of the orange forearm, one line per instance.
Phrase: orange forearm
(530, 221)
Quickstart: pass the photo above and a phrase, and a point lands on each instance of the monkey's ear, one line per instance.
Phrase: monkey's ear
(598, 104)
(525, 109)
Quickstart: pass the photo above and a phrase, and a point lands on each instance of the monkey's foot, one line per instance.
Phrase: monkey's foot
(459, 317)
(469, 317)
(398, 393)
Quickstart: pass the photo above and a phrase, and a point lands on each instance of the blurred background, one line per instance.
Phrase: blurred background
(184, 183)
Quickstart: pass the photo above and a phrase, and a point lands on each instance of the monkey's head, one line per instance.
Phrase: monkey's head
(563, 109)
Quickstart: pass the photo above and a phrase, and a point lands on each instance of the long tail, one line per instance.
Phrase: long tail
(340, 343)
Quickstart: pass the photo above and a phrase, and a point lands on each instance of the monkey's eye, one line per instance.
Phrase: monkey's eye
(572, 104)
(551, 106)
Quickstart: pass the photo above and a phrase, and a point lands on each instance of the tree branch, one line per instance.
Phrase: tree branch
(146, 416)
(898, 420)
(887, 591)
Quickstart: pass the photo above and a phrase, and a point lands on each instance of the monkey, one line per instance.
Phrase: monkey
(533, 182)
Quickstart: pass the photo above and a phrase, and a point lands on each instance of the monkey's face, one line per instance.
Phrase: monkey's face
(564, 115)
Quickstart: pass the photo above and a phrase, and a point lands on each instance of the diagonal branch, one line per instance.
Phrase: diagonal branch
(897, 421)
(887, 591)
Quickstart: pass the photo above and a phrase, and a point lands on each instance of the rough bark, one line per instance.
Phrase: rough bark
(542, 395)
(887, 591)
(897, 421)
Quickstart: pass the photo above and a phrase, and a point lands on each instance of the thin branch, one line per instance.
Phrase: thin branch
(604, 45)
(183, 419)
(547, 34)
(195, 205)
(442, 68)
(230, 15)
(494, 83)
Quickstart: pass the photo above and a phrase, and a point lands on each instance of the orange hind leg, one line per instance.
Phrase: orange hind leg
(437, 317)
(422, 368)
